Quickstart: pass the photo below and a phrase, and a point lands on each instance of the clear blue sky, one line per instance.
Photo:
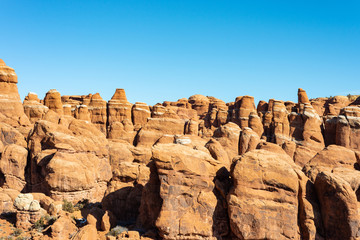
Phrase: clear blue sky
(165, 50)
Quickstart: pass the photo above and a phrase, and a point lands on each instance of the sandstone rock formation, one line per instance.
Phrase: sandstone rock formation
(33, 109)
(195, 168)
(11, 109)
(263, 201)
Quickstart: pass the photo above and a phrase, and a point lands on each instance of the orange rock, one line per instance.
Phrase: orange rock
(53, 101)
(332, 156)
(248, 140)
(12, 165)
(200, 103)
(80, 146)
(86, 233)
(108, 221)
(303, 155)
(97, 109)
(185, 173)
(312, 134)
(320, 105)
(118, 107)
(348, 128)
(244, 106)
(339, 207)
(94, 217)
(263, 202)
(82, 113)
(140, 114)
(302, 96)
(33, 109)
(228, 136)
(310, 220)
(59, 232)
(26, 219)
(11, 109)
(10, 135)
(192, 127)
(280, 123)
(218, 152)
(335, 104)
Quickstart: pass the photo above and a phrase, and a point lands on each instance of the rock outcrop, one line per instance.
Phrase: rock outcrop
(11, 109)
(263, 201)
(195, 168)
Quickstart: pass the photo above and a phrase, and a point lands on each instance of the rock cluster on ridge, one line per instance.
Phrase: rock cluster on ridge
(197, 168)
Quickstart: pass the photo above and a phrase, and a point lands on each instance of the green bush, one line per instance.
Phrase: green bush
(116, 231)
(22, 238)
(68, 206)
(39, 225)
(17, 232)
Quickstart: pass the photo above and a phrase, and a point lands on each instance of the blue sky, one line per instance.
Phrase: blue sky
(166, 50)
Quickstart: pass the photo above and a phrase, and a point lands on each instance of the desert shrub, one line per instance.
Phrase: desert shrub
(44, 222)
(17, 232)
(68, 206)
(116, 231)
(39, 225)
(23, 238)
(82, 204)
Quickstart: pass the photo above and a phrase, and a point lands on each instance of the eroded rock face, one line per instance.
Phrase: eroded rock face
(329, 158)
(12, 166)
(11, 109)
(53, 101)
(118, 107)
(57, 150)
(97, 110)
(263, 201)
(189, 203)
(339, 207)
(348, 128)
(33, 109)
(200, 103)
(140, 114)
(164, 169)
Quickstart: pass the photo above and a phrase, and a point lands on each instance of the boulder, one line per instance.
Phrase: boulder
(190, 206)
(87, 233)
(339, 207)
(23, 201)
(248, 140)
(329, 158)
(263, 201)
(12, 166)
(59, 232)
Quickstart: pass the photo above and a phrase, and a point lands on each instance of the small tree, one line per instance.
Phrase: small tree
(68, 206)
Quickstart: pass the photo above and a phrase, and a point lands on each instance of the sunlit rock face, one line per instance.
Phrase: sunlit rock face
(11, 109)
(195, 168)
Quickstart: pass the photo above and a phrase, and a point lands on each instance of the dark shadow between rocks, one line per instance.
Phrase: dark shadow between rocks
(124, 204)
(221, 224)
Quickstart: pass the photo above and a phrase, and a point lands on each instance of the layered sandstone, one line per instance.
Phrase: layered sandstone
(195, 168)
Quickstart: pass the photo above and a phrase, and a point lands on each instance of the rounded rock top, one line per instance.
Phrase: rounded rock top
(23, 201)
